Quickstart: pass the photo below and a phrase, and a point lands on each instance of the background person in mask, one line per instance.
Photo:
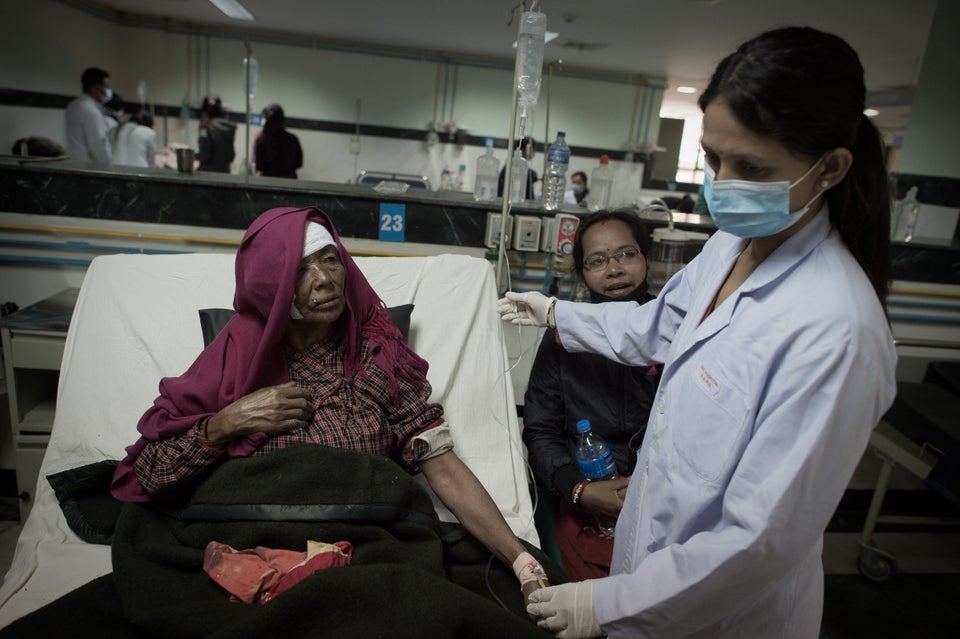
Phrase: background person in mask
(578, 191)
(88, 124)
(609, 257)
(778, 360)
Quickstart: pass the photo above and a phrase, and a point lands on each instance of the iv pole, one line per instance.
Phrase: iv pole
(246, 90)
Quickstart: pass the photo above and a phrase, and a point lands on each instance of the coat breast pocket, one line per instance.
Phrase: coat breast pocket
(708, 426)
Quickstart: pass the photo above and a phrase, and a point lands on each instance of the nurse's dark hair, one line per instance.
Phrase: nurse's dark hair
(805, 88)
(627, 216)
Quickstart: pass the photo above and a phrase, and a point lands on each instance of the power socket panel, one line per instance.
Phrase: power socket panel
(526, 233)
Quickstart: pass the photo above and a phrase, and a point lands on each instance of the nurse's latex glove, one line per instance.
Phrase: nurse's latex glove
(566, 610)
(529, 309)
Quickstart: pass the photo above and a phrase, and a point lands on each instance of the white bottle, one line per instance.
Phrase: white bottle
(555, 180)
(601, 183)
(446, 181)
(518, 178)
(488, 172)
(907, 214)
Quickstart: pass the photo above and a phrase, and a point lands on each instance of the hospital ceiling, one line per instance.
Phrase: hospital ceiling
(679, 40)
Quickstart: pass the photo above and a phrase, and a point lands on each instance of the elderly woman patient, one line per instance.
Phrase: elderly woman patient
(310, 357)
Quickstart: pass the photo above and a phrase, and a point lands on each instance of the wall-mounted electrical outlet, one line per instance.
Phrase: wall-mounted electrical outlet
(492, 235)
(526, 233)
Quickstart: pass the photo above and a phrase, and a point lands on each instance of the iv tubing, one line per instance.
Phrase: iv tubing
(507, 183)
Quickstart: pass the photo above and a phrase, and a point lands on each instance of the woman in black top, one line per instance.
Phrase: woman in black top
(609, 259)
(277, 152)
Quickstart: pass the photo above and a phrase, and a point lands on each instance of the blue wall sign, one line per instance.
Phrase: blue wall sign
(393, 221)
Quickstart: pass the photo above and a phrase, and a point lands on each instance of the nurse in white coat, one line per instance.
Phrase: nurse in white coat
(778, 361)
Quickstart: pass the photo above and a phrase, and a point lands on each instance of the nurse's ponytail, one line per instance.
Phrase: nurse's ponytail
(860, 207)
(805, 88)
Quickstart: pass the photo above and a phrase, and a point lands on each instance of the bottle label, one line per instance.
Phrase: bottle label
(560, 155)
(598, 467)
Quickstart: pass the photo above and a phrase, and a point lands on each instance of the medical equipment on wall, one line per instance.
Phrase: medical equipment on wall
(565, 230)
(671, 248)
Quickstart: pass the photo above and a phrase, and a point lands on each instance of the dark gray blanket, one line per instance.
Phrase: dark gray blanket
(411, 575)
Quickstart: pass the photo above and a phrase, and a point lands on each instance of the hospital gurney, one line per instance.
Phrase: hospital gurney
(137, 319)
(921, 434)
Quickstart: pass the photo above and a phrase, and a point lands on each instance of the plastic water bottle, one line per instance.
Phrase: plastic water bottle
(488, 173)
(601, 183)
(595, 460)
(908, 210)
(518, 178)
(555, 181)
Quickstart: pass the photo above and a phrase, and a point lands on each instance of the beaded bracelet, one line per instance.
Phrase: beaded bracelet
(578, 490)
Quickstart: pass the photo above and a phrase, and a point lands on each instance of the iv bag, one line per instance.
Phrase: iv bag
(252, 89)
(533, 29)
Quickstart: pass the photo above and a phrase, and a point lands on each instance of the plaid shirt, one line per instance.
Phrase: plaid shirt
(355, 415)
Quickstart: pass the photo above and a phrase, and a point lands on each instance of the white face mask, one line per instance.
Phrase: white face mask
(107, 96)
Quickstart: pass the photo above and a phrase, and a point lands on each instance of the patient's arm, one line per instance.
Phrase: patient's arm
(460, 491)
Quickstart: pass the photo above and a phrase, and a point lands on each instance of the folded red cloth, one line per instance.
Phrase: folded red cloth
(257, 575)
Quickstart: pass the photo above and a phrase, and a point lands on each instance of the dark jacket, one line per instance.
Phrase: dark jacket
(277, 153)
(215, 144)
(567, 387)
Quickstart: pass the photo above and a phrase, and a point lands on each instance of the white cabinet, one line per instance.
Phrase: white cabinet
(33, 340)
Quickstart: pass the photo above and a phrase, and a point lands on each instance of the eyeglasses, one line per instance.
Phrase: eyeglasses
(599, 261)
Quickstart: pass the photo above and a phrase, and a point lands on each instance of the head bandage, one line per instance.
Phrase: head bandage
(316, 237)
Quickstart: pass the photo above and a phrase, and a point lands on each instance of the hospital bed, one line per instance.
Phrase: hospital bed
(921, 435)
(136, 320)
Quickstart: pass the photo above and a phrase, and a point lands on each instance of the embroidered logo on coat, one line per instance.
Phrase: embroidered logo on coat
(707, 381)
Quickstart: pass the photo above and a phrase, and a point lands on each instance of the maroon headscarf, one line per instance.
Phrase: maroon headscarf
(248, 354)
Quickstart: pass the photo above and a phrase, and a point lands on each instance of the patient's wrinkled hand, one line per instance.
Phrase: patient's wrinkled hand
(272, 409)
(530, 574)
(529, 588)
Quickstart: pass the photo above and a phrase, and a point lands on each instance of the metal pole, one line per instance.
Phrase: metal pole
(246, 90)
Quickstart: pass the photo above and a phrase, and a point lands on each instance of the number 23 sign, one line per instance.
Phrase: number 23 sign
(393, 219)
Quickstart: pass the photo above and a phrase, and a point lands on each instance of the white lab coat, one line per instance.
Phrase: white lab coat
(88, 129)
(134, 145)
(761, 417)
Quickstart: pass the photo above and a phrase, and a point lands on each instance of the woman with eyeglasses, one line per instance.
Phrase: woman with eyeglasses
(609, 259)
(778, 360)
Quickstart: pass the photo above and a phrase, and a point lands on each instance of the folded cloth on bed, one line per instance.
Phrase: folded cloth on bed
(410, 574)
(257, 575)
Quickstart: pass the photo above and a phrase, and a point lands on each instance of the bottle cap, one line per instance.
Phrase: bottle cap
(561, 134)
(583, 425)
(604, 159)
(488, 142)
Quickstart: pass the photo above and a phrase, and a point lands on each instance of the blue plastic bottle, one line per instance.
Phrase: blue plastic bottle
(595, 460)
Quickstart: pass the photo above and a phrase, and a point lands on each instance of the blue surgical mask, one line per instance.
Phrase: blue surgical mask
(576, 188)
(107, 96)
(750, 209)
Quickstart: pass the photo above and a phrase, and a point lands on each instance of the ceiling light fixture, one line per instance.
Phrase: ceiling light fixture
(871, 113)
(233, 9)
(686, 90)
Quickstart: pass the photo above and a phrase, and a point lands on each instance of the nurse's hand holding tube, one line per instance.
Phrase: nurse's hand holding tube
(566, 610)
(528, 309)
